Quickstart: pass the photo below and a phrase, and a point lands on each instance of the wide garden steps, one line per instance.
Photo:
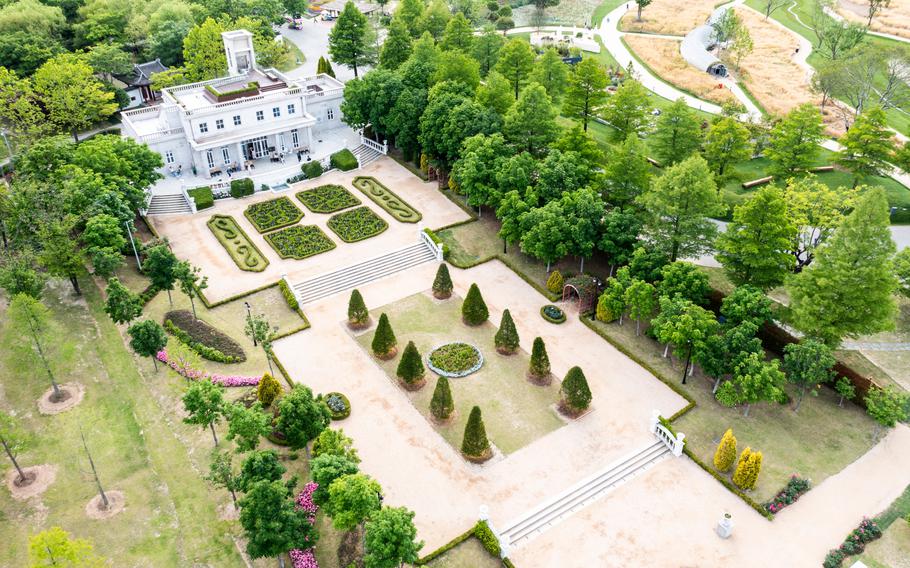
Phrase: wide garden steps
(582, 494)
(364, 272)
(365, 154)
(168, 204)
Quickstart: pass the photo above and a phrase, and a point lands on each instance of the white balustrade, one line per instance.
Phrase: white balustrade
(676, 442)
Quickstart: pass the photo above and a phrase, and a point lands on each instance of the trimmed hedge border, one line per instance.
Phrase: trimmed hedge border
(481, 531)
(202, 197)
(557, 320)
(341, 415)
(327, 198)
(344, 160)
(357, 225)
(387, 199)
(241, 252)
(299, 242)
(759, 508)
(273, 214)
(288, 294)
(204, 351)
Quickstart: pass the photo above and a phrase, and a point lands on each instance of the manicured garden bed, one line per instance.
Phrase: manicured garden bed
(242, 250)
(209, 342)
(552, 314)
(339, 405)
(327, 199)
(357, 224)
(299, 242)
(273, 214)
(455, 360)
(385, 198)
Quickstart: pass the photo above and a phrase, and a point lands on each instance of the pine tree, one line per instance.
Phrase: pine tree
(555, 282)
(539, 369)
(268, 389)
(410, 368)
(384, 342)
(576, 396)
(506, 339)
(441, 405)
(726, 452)
(442, 284)
(358, 315)
(475, 446)
(325, 66)
(741, 475)
(474, 309)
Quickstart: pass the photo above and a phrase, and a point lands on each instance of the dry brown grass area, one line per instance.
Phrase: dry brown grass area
(662, 55)
(671, 17)
(894, 19)
(769, 72)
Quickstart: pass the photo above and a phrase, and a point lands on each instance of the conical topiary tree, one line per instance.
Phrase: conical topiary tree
(384, 342)
(268, 389)
(474, 310)
(753, 468)
(441, 405)
(358, 315)
(555, 282)
(506, 338)
(442, 284)
(475, 446)
(539, 369)
(576, 396)
(741, 475)
(726, 452)
(410, 368)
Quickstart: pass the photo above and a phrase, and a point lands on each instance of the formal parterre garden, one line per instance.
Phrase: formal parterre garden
(237, 243)
(273, 214)
(515, 412)
(327, 198)
(357, 224)
(385, 198)
(299, 242)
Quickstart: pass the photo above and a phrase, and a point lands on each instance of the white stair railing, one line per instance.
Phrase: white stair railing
(676, 442)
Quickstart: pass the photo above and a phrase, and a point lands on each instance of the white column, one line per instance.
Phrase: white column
(309, 137)
(679, 444)
(655, 419)
(239, 156)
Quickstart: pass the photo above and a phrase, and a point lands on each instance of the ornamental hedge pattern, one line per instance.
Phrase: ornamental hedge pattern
(209, 342)
(237, 243)
(273, 214)
(455, 360)
(327, 199)
(357, 225)
(299, 242)
(383, 197)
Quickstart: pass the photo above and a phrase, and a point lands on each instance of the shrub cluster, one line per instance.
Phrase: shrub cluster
(475, 446)
(555, 282)
(327, 199)
(796, 487)
(855, 543)
(242, 187)
(576, 395)
(311, 170)
(202, 196)
(267, 390)
(357, 224)
(486, 537)
(273, 214)
(455, 358)
(288, 294)
(344, 160)
(358, 314)
(208, 342)
(299, 242)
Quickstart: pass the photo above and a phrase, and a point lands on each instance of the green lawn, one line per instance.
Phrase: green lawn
(293, 59)
(890, 551)
(468, 554)
(515, 412)
(602, 10)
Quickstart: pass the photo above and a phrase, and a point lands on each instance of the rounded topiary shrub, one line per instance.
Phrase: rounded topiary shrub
(267, 390)
(442, 284)
(475, 446)
(442, 407)
(576, 395)
(338, 404)
(555, 282)
(384, 342)
(539, 368)
(358, 315)
(506, 338)
(474, 310)
(410, 368)
(552, 314)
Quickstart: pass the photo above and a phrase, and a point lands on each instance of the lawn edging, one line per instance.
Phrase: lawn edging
(482, 532)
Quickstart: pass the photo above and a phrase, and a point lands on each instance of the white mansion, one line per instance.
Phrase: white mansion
(229, 124)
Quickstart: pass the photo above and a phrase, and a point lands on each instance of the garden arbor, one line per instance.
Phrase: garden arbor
(584, 288)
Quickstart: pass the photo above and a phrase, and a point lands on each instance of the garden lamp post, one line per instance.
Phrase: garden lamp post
(129, 232)
(249, 318)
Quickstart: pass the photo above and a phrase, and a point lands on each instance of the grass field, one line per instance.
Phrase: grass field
(468, 554)
(515, 412)
(668, 17)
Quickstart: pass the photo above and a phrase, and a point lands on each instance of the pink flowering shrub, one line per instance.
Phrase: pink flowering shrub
(304, 501)
(796, 487)
(182, 368)
(303, 558)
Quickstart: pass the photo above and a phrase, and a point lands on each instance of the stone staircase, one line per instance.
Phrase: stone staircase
(582, 494)
(365, 154)
(169, 204)
(356, 275)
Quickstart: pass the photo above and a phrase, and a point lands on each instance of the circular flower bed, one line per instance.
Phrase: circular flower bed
(455, 360)
(552, 314)
(339, 405)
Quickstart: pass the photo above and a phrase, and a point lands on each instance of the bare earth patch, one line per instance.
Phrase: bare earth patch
(95, 509)
(662, 55)
(893, 19)
(38, 479)
(72, 394)
(670, 17)
(228, 512)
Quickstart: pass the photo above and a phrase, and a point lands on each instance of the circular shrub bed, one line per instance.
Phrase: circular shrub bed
(339, 405)
(455, 360)
(552, 314)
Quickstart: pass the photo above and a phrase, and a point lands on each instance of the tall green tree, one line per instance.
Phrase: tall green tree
(726, 143)
(259, 465)
(848, 290)
(495, 93)
(546, 233)
(204, 404)
(551, 73)
(190, 282)
(475, 446)
(755, 248)
(816, 210)
(352, 499)
(246, 425)
(515, 62)
(121, 305)
(531, 123)
(684, 280)
(221, 473)
(887, 406)
(272, 523)
(867, 146)
(486, 49)
(301, 417)
(60, 253)
(410, 12)
(746, 303)
(902, 271)
(351, 39)
(203, 51)
(397, 46)
(459, 35)
(32, 319)
(756, 380)
(147, 338)
(677, 134)
(161, 267)
(585, 93)
(808, 365)
(627, 173)
(335, 442)
(678, 206)
(794, 141)
(18, 275)
(628, 110)
(435, 19)
(72, 98)
(13, 440)
(684, 326)
(390, 538)
(619, 236)
(584, 213)
(326, 469)
(55, 547)
(641, 298)
(458, 67)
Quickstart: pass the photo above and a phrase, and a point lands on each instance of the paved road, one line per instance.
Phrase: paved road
(313, 41)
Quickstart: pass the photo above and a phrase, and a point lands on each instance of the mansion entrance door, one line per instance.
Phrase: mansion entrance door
(255, 148)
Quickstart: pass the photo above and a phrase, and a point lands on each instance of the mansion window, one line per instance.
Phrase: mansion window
(295, 138)
(276, 112)
(203, 127)
(219, 124)
(259, 115)
(168, 157)
(236, 120)
(330, 114)
(226, 155)
(291, 109)
(210, 158)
